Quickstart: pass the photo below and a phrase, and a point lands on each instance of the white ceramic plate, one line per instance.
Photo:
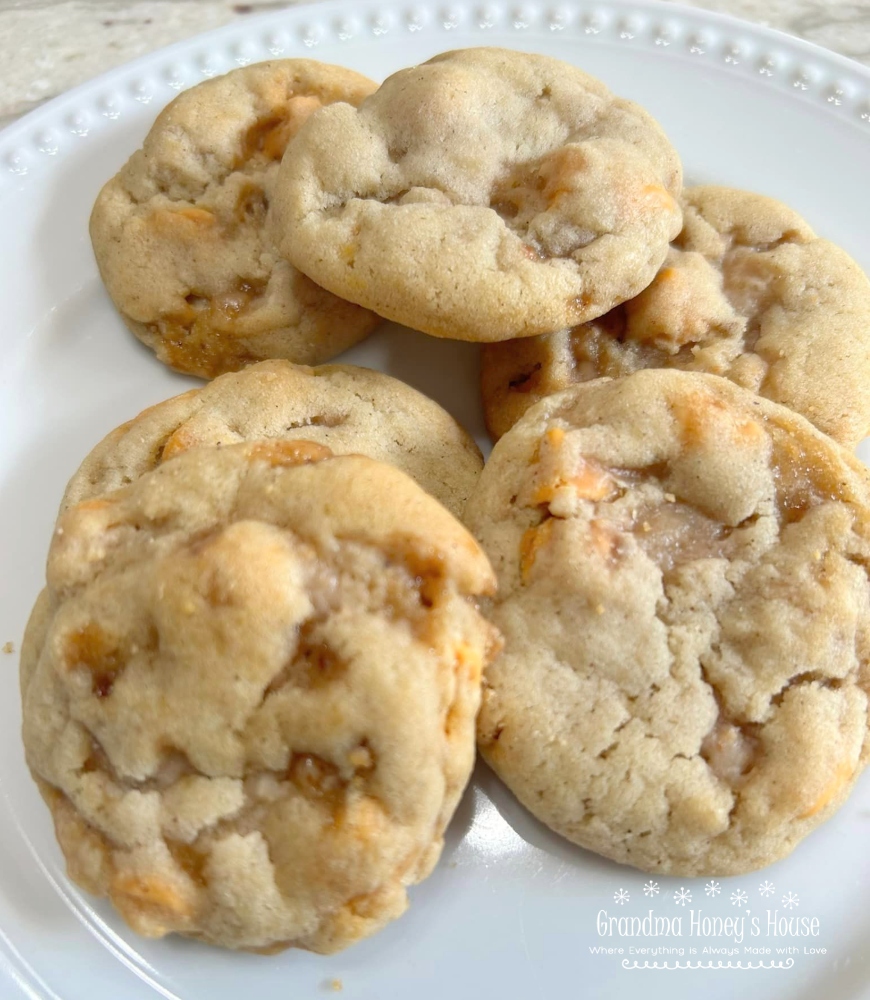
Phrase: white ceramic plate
(512, 911)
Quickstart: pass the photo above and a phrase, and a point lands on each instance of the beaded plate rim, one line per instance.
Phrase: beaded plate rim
(47, 135)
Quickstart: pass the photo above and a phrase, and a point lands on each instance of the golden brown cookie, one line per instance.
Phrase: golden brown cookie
(484, 195)
(180, 233)
(749, 292)
(684, 600)
(249, 693)
(348, 409)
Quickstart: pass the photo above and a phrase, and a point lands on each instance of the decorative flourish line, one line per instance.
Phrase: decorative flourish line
(629, 964)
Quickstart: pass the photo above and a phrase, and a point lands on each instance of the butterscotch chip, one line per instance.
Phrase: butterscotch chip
(685, 676)
(249, 691)
(180, 233)
(344, 408)
(484, 195)
(748, 292)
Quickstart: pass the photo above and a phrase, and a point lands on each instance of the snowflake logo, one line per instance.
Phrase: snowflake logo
(766, 888)
(790, 900)
(738, 898)
(712, 888)
(682, 896)
(651, 889)
(620, 896)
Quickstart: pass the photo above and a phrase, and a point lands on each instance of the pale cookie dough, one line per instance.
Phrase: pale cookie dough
(684, 600)
(484, 195)
(180, 233)
(249, 693)
(350, 410)
(749, 292)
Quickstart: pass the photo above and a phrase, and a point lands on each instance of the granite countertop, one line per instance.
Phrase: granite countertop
(50, 45)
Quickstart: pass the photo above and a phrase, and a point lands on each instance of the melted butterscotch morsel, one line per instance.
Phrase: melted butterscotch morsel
(587, 481)
(204, 339)
(89, 647)
(269, 135)
(669, 531)
(200, 351)
(361, 758)
(281, 453)
(319, 664)
(313, 664)
(316, 777)
(843, 774)
(804, 480)
(151, 904)
(531, 543)
(561, 477)
(675, 533)
(191, 859)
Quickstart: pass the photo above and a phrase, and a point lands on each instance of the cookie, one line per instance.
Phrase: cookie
(180, 233)
(250, 693)
(684, 600)
(484, 195)
(749, 292)
(348, 409)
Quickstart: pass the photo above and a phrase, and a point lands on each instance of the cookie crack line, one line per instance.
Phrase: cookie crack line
(811, 678)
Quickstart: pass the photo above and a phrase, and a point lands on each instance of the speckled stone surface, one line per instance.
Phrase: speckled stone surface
(49, 46)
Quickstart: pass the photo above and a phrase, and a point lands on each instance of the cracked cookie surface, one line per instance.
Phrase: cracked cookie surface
(180, 232)
(348, 409)
(249, 693)
(748, 292)
(483, 195)
(684, 601)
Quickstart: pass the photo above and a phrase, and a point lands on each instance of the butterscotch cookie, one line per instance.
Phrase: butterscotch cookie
(749, 292)
(348, 409)
(179, 234)
(250, 690)
(484, 195)
(684, 600)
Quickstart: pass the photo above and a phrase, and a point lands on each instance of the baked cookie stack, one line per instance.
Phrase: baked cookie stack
(254, 681)
(180, 234)
(748, 292)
